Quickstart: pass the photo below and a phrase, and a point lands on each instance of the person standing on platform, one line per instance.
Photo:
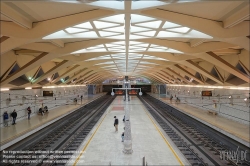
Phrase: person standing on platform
(81, 99)
(5, 118)
(116, 122)
(14, 115)
(29, 112)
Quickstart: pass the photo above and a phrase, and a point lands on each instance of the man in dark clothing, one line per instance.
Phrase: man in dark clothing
(116, 122)
(81, 99)
(14, 115)
(29, 112)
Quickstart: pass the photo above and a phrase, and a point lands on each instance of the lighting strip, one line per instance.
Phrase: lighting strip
(4, 89)
(65, 86)
(214, 87)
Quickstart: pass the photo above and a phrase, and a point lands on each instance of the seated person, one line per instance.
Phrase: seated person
(46, 109)
(41, 111)
(75, 100)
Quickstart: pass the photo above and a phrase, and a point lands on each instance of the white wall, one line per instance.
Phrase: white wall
(63, 96)
(235, 109)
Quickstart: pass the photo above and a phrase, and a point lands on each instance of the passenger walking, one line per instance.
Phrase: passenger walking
(81, 99)
(116, 122)
(29, 112)
(5, 118)
(14, 115)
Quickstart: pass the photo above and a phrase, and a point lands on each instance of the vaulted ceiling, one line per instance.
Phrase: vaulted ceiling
(87, 42)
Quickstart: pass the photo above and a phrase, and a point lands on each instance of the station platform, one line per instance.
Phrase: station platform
(233, 129)
(14, 133)
(104, 147)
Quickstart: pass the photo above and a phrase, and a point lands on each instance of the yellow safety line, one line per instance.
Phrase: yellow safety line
(85, 147)
(176, 156)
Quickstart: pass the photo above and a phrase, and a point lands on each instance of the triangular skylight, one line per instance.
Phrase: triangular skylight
(104, 34)
(149, 33)
(135, 18)
(121, 37)
(138, 29)
(116, 18)
(104, 63)
(92, 50)
(119, 5)
(64, 35)
(170, 25)
(85, 25)
(152, 24)
(191, 34)
(145, 62)
(101, 24)
(75, 30)
(146, 4)
(179, 30)
(116, 29)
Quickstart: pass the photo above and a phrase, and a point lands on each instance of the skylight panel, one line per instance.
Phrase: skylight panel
(180, 30)
(145, 62)
(101, 24)
(133, 61)
(105, 34)
(137, 49)
(86, 25)
(95, 47)
(138, 29)
(63, 35)
(121, 37)
(170, 25)
(116, 29)
(134, 57)
(174, 51)
(116, 18)
(99, 58)
(157, 50)
(149, 33)
(120, 61)
(152, 24)
(119, 5)
(119, 43)
(136, 37)
(161, 47)
(109, 62)
(146, 4)
(92, 50)
(75, 30)
(191, 34)
(135, 18)
(141, 45)
(116, 50)
(112, 45)
(108, 66)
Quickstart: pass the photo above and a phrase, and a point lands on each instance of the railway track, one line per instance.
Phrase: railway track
(65, 135)
(200, 144)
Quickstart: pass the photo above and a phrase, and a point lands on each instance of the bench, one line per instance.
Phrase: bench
(212, 112)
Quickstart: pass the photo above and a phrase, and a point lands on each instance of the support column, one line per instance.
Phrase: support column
(127, 133)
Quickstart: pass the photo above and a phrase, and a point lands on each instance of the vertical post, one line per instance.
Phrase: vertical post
(127, 133)
(143, 161)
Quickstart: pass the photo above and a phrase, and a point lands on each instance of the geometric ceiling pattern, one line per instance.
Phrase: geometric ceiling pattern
(172, 42)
